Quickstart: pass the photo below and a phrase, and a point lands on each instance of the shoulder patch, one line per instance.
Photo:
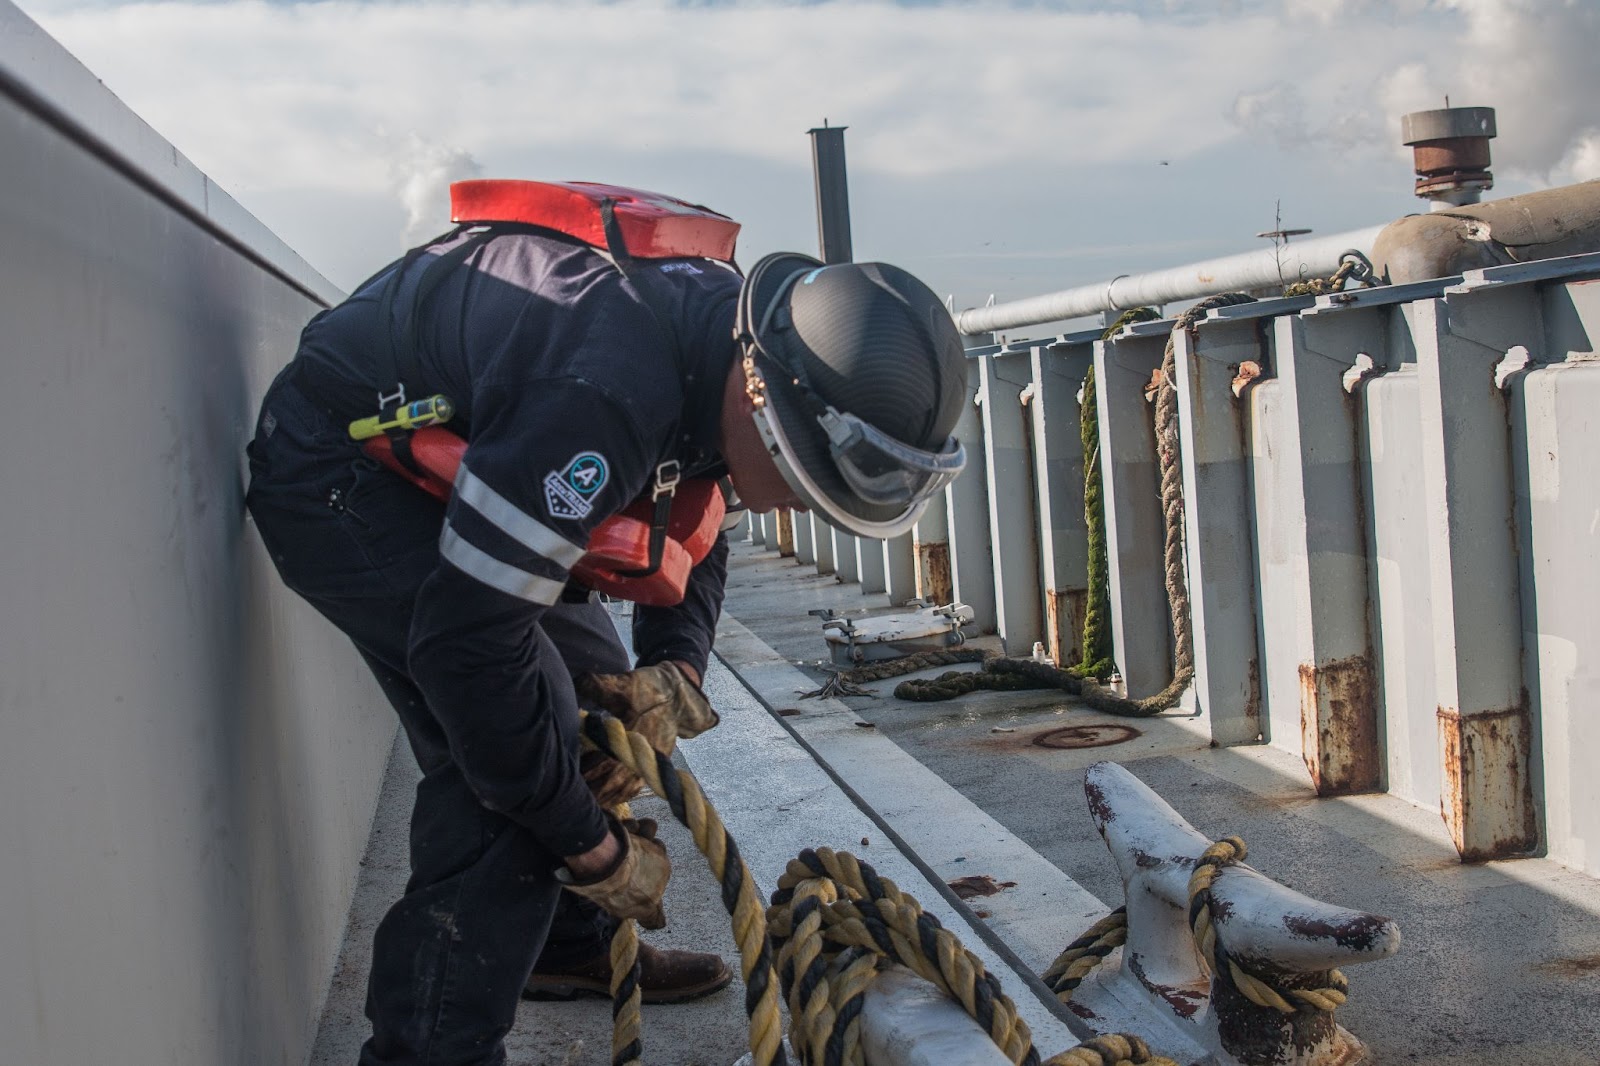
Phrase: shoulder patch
(568, 492)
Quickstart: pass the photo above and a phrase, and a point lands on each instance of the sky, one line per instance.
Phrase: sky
(995, 148)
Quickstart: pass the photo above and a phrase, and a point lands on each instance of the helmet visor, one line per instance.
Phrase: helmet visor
(883, 470)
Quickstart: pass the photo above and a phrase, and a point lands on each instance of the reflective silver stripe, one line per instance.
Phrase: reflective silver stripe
(478, 563)
(518, 524)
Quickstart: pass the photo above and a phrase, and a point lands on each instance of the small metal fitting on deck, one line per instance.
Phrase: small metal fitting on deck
(1159, 987)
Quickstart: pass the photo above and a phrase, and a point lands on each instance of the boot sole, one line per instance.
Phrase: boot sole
(540, 990)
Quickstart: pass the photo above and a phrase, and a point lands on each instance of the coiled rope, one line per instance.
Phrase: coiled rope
(836, 922)
(1080, 957)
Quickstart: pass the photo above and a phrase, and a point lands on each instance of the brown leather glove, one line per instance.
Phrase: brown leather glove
(656, 701)
(634, 886)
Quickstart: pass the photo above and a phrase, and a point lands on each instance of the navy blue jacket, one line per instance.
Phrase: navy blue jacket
(570, 388)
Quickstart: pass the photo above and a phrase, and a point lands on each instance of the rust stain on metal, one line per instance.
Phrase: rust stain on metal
(1098, 807)
(974, 885)
(1064, 615)
(785, 533)
(1252, 703)
(1084, 736)
(1081, 1011)
(1245, 375)
(1339, 725)
(1185, 1002)
(1488, 797)
(933, 573)
(1364, 932)
(1261, 1036)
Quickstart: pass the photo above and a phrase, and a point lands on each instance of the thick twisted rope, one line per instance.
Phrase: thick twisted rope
(689, 806)
(1011, 675)
(832, 912)
(1081, 956)
(838, 922)
(1224, 853)
(1095, 646)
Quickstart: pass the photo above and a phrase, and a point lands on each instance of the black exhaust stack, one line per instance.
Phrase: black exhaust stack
(833, 193)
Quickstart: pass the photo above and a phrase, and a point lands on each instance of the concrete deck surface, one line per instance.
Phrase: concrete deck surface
(1500, 962)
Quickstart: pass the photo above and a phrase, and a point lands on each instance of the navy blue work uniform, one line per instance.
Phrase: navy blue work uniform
(572, 383)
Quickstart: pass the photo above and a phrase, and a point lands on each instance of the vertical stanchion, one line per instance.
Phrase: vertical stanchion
(930, 541)
(845, 563)
(805, 551)
(1485, 728)
(1054, 415)
(899, 569)
(822, 544)
(869, 565)
(785, 520)
(1013, 527)
(1339, 714)
(967, 500)
(1141, 630)
(1216, 515)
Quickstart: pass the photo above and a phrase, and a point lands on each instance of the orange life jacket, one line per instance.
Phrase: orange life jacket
(630, 223)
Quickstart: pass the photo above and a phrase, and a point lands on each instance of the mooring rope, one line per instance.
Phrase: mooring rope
(1080, 957)
(1096, 656)
(739, 895)
(836, 922)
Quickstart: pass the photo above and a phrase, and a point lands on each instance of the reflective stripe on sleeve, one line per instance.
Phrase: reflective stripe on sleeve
(514, 522)
(477, 563)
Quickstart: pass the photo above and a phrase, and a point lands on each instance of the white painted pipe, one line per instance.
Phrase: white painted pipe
(1264, 268)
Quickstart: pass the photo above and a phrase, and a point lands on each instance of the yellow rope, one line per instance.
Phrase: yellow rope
(1089, 950)
(682, 793)
(1224, 853)
(836, 923)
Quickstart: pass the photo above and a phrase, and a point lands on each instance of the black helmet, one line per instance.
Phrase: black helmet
(858, 376)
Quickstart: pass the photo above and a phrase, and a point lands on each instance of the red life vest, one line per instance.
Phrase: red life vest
(651, 226)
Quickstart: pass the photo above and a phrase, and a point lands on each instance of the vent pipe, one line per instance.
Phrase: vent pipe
(833, 193)
(1451, 151)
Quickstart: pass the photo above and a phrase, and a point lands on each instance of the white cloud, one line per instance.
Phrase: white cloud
(308, 110)
(941, 88)
(420, 173)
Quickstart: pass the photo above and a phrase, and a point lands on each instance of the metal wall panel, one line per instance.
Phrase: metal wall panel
(191, 757)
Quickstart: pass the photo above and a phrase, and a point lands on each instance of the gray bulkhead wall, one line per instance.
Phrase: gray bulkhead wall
(190, 757)
(1390, 518)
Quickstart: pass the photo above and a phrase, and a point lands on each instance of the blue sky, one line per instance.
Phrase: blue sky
(994, 147)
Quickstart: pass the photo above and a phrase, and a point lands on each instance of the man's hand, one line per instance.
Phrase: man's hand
(659, 702)
(631, 882)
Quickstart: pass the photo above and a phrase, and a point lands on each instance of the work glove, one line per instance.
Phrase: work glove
(657, 702)
(635, 884)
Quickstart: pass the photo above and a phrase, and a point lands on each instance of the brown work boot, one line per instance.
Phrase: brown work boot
(664, 977)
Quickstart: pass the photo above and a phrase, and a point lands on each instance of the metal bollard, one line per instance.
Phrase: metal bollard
(1156, 986)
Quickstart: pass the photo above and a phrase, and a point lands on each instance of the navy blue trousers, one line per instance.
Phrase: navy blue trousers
(482, 905)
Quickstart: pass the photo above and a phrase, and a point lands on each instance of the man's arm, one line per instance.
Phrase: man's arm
(684, 634)
(534, 482)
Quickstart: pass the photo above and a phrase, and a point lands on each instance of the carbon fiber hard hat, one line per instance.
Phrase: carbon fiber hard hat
(858, 376)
